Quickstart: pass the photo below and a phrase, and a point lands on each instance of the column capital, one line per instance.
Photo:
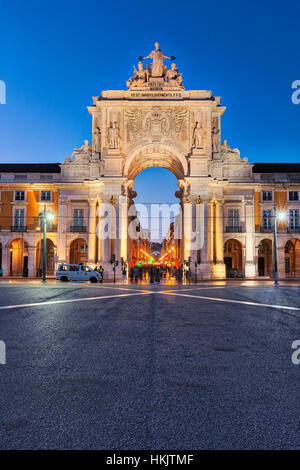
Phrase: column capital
(92, 201)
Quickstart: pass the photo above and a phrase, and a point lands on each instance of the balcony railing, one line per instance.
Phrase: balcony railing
(295, 229)
(18, 228)
(266, 229)
(78, 228)
(234, 229)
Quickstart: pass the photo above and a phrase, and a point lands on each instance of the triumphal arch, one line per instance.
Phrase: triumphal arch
(156, 122)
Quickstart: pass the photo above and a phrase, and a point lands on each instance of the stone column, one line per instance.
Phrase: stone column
(123, 226)
(62, 229)
(281, 262)
(206, 262)
(92, 232)
(219, 266)
(187, 229)
(31, 261)
(106, 232)
(5, 261)
(250, 270)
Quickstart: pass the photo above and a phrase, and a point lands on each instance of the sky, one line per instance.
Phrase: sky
(54, 56)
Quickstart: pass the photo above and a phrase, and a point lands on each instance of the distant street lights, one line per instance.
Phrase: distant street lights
(47, 217)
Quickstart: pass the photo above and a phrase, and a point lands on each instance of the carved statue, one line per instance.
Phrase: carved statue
(228, 153)
(139, 78)
(173, 76)
(97, 140)
(197, 136)
(215, 139)
(81, 155)
(157, 68)
(113, 136)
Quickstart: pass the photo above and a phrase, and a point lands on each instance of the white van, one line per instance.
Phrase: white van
(76, 272)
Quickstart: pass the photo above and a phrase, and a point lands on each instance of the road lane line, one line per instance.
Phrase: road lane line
(83, 299)
(243, 302)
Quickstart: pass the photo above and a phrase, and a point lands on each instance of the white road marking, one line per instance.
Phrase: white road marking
(83, 299)
(255, 304)
(147, 292)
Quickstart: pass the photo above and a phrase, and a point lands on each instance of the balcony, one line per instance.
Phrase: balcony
(78, 228)
(266, 229)
(52, 228)
(295, 229)
(18, 228)
(235, 229)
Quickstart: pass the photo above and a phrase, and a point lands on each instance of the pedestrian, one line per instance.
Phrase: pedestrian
(124, 273)
(1, 272)
(136, 274)
(151, 275)
(101, 272)
(157, 275)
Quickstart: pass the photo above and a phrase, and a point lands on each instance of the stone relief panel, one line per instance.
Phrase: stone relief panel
(156, 125)
(200, 132)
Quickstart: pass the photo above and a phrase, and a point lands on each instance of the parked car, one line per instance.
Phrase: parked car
(76, 272)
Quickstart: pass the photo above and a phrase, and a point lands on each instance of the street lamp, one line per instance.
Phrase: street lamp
(281, 216)
(47, 217)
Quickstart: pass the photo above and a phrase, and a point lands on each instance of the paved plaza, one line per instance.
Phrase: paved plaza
(149, 366)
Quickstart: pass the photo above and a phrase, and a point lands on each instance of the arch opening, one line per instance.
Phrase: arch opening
(18, 257)
(156, 209)
(50, 251)
(265, 258)
(233, 258)
(78, 251)
(155, 156)
(292, 258)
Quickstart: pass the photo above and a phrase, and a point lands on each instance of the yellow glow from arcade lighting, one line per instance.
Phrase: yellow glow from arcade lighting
(147, 254)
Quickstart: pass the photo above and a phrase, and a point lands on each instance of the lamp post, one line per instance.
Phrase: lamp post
(46, 217)
(275, 247)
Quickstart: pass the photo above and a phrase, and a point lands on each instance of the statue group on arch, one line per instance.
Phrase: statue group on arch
(156, 70)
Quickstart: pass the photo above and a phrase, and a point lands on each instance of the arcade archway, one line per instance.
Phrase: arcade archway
(265, 258)
(18, 257)
(292, 258)
(233, 258)
(78, 251)
(50, 251)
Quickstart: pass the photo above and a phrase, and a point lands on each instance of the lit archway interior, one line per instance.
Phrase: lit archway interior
(155, 157)
(155, 187)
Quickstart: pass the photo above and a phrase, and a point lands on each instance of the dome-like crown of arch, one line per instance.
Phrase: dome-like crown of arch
(155, 156)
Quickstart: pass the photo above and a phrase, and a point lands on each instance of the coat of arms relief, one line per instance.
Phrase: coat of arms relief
(159, 124)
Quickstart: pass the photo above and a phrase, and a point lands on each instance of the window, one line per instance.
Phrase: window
(19, 218)
(20, 196)
(293, 196)
(85, 268)
(83, 248)
(73, 268)
(233, 218)
(78, 217)
(46, 196)
(63, 267)
(294, 219)
(267, 219)
(267, 196)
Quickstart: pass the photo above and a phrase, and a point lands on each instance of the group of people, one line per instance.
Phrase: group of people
(100, 270)
(151, 274)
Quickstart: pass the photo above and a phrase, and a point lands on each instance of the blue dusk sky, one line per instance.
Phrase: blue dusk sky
(56, 55)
